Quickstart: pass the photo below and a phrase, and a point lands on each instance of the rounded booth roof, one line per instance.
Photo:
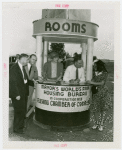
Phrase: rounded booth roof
(65, 30)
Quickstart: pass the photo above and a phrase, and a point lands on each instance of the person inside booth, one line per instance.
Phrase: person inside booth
(49, 57)
(75, 73)
(53, 70)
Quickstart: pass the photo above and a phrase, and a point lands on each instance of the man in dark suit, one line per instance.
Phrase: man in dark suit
(18, 92)
(13, 63)
(17, 57)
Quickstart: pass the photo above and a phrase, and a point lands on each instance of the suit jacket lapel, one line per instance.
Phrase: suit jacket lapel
(32, 72)
(26, 69)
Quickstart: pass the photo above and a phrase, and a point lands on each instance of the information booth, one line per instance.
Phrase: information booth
(64, 105)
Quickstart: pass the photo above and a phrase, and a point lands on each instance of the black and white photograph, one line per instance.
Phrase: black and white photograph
(61, 72)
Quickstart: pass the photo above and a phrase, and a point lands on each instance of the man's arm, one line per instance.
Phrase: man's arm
(13, 89)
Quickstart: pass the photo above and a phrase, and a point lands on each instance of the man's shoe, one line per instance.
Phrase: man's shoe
(95, 126)
(100, 128)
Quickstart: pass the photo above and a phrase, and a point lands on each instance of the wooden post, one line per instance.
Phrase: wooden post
(90, 45)
(45, 51)
(39, 49)
(84, 48)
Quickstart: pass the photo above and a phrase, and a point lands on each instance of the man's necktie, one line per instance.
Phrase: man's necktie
(76, 73)
(25, 77)
(30, 70)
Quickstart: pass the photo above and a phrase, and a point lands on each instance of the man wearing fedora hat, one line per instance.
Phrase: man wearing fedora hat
(53, 69)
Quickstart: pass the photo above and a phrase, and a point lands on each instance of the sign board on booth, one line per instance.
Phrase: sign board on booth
(63, 98)
(65, 27)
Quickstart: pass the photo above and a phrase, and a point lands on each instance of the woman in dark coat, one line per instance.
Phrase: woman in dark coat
(101, 101)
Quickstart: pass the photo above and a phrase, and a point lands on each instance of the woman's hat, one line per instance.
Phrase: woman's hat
(98, 61)
(54, 54)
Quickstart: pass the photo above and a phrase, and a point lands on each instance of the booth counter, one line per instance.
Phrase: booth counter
(62, 105)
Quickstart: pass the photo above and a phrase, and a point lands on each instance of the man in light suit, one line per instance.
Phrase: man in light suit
(32, 73)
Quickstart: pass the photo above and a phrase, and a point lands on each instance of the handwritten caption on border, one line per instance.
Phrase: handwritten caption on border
(63, 5)
(5, 68)
(60, 145)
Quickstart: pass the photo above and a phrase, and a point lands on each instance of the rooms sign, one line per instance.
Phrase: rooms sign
(65, 27)
(73, 27)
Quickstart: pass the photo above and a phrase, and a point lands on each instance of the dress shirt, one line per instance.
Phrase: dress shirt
(54, 70)
(70, 73)
(20, 65)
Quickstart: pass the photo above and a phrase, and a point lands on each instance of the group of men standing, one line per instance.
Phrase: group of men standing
(22, 78)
